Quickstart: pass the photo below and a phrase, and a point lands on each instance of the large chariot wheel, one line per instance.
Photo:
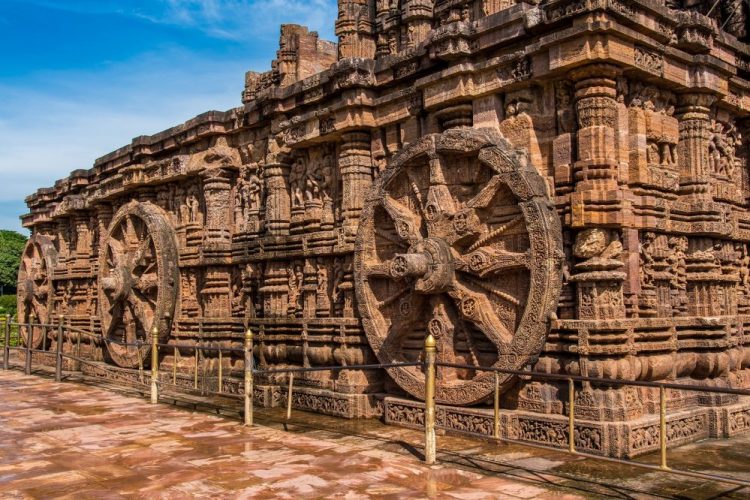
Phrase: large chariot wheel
(35, 292)
(458, 238)
(138, 277)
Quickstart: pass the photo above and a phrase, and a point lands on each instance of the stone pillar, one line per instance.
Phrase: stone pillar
(416, 15)
(596, 106)
(276, 176)
(275, 290)
(309, 290)
(215, 293)
(692, 150)
(354, 27)
(218, 197)
(355, 165)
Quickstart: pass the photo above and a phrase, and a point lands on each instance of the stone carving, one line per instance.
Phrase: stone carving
(138, 279)
(435, 173)
(431, 246)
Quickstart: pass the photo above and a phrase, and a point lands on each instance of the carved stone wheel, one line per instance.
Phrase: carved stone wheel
(458, 238)
(138, 276)
(35, 292)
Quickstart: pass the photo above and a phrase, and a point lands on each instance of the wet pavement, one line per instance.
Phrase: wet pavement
(67, 439)
(78, 441)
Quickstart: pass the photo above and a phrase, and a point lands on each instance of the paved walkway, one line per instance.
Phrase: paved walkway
(67, 439)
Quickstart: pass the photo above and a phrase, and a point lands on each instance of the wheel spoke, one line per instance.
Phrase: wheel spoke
(477, 309)
(381, 270)
(146, 282)
(407, 224)
(484, 197)
(496, 233)
(490, 260)
(140, 252)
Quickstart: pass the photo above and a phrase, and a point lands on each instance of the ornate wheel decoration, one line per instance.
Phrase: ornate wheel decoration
(138, 276)
(458, 238)
(35, 292)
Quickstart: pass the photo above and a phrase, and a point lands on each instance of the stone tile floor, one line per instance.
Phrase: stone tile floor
(78, 441)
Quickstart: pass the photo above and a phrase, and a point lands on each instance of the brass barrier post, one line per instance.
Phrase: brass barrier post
(289, 397)
(58, 350)
(140, 360)
(571, 416)
(248, 378)
(78, 351)
(154, 365)
(174, 366)
(663, 427)
(430, 447)
(221, 371)
(6, 359)
(195, 374)
(496, 421)
(29, 341)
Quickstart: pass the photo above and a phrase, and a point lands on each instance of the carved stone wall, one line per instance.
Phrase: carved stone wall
(555, 184)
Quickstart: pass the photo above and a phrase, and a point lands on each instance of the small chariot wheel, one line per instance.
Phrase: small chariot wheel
(35, 291)
(138, 278)
(458, 238)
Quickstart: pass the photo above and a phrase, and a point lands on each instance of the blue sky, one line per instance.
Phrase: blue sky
(80, 78)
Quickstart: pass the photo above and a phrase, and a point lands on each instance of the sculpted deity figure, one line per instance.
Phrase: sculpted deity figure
(297, 182)
(253, 191)
(193, 206)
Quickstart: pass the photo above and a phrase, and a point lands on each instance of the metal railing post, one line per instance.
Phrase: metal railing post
(289, 397)
(663, 427)
(154, 365)
(140, 361)
(221, 371)
(58, 350)
(496, 415)
(78, 351)
(6, 359)
(430, 446)
(248, 378)
(174, 366)
(29, 341)
(195, 374)
(571, 416)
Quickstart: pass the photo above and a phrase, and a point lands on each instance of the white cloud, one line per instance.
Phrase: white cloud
(76, 117)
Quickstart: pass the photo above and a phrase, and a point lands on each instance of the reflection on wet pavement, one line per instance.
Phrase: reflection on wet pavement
(66, 439)
(79, 441)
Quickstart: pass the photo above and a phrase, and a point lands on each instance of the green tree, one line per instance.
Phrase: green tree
(11, 248)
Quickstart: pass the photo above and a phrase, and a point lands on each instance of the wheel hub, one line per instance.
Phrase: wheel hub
(429, 261)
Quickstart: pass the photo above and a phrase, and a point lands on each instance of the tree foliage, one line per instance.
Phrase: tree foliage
(11, 248)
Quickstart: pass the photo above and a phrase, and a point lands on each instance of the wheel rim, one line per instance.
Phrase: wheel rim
(458, 238)
(35, 292)
(137, 281)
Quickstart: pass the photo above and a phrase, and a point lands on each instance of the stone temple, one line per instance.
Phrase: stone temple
(556, 185)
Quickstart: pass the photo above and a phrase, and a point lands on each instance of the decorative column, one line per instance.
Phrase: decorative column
(596, 106)
(416, 15)
(218, 196)
(354, 27)
(83, 240)
(692, 150)
(215, 293)
(276, 176)
(355, 165)
(275, 289)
